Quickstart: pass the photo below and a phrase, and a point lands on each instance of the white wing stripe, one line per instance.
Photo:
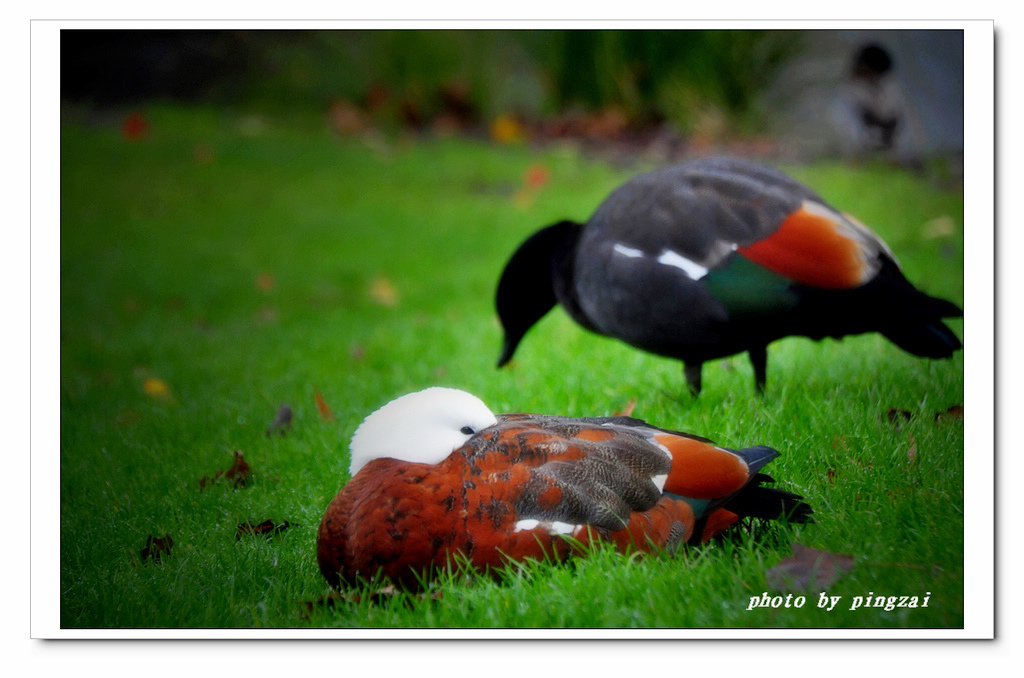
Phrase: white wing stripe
(691, 268)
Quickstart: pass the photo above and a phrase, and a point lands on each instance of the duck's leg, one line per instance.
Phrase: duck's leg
(692, 372)
(759, 359)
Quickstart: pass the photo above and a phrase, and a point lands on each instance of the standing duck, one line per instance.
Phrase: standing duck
(437, 479)
(715, 257)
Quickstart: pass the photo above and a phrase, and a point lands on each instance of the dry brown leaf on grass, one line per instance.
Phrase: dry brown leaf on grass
(345, 118)
(383, 292)
(322, 407)
(239, 473)
(897, 416)
(135, 127)
(157, 389)
(156, 548)
(954, 413)
(536, 176)
(808, 568)
(267, 528)
(627, 411)
(265, 282)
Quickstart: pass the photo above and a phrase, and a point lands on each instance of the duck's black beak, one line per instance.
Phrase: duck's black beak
(508, 349)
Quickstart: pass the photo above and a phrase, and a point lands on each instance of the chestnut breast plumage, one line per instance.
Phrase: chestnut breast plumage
(519, 487)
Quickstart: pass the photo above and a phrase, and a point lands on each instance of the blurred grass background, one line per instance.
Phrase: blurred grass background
(220, 258)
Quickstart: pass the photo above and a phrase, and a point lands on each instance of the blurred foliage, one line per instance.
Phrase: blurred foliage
(676, 75)
(692, 78)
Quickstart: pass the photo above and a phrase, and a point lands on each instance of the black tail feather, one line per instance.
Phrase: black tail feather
(763, 503)
(768, 503)
(757, 456)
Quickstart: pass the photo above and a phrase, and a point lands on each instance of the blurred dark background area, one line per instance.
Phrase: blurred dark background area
(117, 67)
(798, 94)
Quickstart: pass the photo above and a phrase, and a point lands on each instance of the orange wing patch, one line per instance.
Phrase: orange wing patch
(549, 498)
(702, 471)
(812, 248)
(595, 435)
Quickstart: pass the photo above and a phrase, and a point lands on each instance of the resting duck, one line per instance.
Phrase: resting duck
(436, 479)
(714, 257)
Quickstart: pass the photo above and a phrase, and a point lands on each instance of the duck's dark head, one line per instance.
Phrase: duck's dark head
(526, 290)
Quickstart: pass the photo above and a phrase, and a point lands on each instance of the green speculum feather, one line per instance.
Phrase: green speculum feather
(747, 289)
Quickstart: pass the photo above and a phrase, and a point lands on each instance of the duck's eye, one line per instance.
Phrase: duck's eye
(468, 430)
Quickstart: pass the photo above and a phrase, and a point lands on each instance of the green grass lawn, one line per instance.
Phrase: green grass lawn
(224, 265)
